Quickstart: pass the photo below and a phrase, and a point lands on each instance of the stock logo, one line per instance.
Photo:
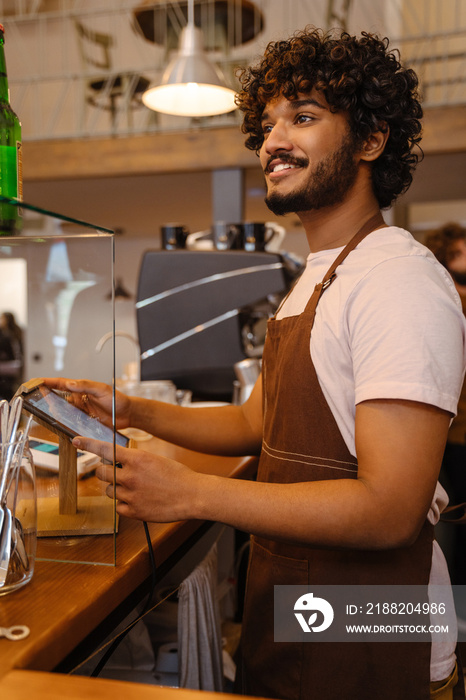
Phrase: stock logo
(307, 603)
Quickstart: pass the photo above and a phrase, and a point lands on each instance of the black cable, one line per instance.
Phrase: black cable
(114, 645)
(153, 568)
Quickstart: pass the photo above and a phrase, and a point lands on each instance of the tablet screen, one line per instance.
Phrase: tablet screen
(49, 405)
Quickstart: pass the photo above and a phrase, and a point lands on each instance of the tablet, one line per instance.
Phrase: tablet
(52, 408)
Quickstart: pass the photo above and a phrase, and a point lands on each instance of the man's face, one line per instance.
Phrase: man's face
(456, 261)
(308, 154)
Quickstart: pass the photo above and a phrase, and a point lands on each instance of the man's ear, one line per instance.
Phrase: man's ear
(375, 145)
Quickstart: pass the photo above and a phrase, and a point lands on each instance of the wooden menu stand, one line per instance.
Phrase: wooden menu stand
(67, 477)
(67, 472)
(61, 516)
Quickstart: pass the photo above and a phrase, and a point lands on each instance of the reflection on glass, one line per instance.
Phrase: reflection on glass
(63, 289)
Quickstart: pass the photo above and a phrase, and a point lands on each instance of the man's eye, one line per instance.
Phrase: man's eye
(303, 118)
(266, 128)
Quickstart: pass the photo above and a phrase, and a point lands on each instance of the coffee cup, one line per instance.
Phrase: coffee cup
(173, 236)
(258, 236)
(227, 236)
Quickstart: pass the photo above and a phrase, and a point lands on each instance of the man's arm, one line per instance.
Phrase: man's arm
(399, 446)
(223, 430)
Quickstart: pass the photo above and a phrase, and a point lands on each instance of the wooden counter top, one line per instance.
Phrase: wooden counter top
(65, 602)
(24, 685)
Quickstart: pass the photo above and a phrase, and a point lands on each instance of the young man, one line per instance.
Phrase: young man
(352, 410)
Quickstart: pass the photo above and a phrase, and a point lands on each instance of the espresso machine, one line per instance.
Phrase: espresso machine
(200, 312)
(203, 302)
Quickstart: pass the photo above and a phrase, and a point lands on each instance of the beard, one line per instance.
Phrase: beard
(327, 185)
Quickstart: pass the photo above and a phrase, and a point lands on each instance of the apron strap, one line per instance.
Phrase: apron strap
(374, 222)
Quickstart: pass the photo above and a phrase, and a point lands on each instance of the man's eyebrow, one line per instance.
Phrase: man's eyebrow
(296, 104)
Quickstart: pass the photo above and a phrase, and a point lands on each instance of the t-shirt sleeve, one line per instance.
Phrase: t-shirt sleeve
(407, 334)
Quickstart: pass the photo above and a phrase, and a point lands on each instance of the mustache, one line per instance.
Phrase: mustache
(286, 158)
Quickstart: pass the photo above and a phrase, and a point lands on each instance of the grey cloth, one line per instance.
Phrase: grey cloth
(199, 630)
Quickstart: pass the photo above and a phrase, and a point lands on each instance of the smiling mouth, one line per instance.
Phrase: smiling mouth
(278, 164)
(282, 166)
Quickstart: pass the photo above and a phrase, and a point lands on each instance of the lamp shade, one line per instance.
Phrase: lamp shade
(191, 85)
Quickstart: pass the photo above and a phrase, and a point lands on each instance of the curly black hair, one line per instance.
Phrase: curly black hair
(358, 75)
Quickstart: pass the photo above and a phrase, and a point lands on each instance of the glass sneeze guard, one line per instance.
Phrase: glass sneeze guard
(57, 279)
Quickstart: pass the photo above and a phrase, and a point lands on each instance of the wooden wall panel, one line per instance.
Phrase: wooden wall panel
(209, 149)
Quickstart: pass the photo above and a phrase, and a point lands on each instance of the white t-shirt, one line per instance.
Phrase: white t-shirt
(390, 326)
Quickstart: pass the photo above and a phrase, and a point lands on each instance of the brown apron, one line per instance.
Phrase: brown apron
(302, 443)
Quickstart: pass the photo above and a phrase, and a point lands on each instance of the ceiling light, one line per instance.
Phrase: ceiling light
(191, 85)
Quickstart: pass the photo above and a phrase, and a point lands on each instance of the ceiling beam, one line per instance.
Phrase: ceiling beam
(205, 149)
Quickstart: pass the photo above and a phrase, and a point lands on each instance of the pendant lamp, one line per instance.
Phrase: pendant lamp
(191, 85)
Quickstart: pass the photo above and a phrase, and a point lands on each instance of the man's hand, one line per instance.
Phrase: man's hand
(95, 398)
(147, 487)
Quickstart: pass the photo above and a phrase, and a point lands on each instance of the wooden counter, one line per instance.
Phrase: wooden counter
(24, 685)
(65, 602)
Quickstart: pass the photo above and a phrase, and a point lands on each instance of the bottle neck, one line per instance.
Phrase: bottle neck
(4, 92)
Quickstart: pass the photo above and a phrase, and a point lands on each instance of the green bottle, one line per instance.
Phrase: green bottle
(11, 175)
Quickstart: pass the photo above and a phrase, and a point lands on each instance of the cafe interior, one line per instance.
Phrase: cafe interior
(148, 258)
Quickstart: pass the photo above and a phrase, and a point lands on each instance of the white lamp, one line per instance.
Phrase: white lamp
(191, 85)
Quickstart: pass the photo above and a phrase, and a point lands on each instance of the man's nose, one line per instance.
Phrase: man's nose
(278, 139)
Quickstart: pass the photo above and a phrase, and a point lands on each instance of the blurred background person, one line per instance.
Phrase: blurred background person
(11, 355)
(448, 244)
